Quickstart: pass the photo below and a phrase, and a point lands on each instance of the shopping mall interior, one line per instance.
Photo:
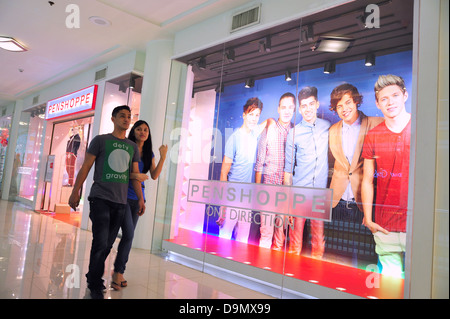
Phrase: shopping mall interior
(187, 68)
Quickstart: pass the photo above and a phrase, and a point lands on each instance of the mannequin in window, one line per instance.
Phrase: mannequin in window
(73, 144)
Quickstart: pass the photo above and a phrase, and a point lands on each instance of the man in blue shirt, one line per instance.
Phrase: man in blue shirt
(306, 165)
(237, 166)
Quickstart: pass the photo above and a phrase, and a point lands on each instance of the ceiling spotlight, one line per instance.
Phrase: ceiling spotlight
(262, 47)
(132, 83)
(202, 63)
(230, 55)
(265, 45)
(314, 46)
(309, 34)
(11, 44)
(123, 87)
(249, 83)
(334, 44)
(370, 59)
(287, 76)
(220, 88)
(361, 21)
(268, 43)
(330, 67)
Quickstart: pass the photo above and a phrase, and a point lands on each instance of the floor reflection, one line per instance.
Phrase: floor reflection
(45, 258)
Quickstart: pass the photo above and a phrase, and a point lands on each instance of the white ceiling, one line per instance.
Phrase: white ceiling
(56, 52)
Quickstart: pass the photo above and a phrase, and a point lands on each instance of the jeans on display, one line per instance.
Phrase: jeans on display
(296, 238)
(240, 217)
(391, 249)
(106, 217)
(128, 226)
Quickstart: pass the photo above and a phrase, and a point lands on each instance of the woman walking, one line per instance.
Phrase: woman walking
(140, 134)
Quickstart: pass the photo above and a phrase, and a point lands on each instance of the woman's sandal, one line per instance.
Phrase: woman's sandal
(115, 286)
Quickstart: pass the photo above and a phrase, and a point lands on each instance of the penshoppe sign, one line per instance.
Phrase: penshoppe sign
(313, 203)
(80, 101)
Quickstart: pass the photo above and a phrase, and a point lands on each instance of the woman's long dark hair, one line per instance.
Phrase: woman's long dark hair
(147, 151)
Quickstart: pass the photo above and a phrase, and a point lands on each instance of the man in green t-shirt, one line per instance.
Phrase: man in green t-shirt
(115, 157)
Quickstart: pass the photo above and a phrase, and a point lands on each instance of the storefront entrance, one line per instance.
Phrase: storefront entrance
(69, 141)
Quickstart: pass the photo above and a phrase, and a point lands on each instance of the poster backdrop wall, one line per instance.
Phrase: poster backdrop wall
(269, 91)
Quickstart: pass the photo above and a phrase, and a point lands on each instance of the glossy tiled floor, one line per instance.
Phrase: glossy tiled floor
(43, 258)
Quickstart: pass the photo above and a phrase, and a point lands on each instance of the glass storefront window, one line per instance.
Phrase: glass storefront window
(123, 90)
(290, 159)
(5, 126)
(28, 154)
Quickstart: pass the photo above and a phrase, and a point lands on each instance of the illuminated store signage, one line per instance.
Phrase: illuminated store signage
(73, 103)
(314, 203)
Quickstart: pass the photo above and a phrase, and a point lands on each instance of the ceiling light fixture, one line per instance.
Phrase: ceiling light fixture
(132, 83)
(370, 59)
(265, 45)
(202, 63)
(268, 43)
(361, 21)
(230, 55)
(309, 33)
(334, 44)
(11, 44)
(102, 22)
(249, 83)
(287, 75)
(330, 67)
(220, 88)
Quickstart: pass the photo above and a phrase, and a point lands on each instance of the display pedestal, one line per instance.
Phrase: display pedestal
(65, 194)
(63, 207)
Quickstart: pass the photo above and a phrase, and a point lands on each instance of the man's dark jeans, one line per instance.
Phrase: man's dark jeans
(128, 226)
(106, 217)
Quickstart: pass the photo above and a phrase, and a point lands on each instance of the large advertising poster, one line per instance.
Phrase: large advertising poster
(307, 176)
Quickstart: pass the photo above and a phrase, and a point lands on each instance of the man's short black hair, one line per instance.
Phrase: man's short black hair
(285, 95)
(307, 92)
(119, 108)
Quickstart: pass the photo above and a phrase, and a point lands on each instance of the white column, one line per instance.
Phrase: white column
(11, 151)
(153, 109)
(420, 231)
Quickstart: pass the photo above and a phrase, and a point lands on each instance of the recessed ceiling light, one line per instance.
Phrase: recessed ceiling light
(11, 44)
(334, 44)
(100, 21)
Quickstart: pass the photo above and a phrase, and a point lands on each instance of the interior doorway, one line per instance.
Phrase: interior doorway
(69, 141)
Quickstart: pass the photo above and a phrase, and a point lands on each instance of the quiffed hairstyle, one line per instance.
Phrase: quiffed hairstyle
(387, 80)
(147, 149)
(251, 104)
(339, 91)
(307, 92)
(117, 109)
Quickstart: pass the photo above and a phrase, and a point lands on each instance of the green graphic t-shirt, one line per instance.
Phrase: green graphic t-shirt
(113, 164)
